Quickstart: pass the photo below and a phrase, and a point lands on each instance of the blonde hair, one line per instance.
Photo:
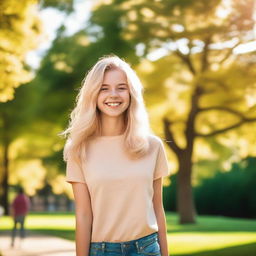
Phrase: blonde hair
(84, 121)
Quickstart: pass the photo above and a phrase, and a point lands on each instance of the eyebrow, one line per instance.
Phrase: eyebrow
(117, 84)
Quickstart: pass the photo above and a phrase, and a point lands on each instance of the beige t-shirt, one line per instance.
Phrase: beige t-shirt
(121, 189)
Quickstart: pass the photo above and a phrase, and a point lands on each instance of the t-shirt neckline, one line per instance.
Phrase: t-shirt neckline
(109, 137)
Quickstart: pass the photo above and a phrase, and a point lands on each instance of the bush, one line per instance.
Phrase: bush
(231, 193)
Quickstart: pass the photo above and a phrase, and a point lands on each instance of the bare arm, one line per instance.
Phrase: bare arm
(160, 216)
(84, 218)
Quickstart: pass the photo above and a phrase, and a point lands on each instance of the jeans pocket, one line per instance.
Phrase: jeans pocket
(152, 248)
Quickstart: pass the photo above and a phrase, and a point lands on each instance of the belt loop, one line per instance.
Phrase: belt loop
(137, 246)
(157, 237)
(103, 247)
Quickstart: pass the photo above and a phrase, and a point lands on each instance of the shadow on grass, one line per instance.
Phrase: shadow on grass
(241, 250)
(52, 213)
(64, 233)
(210, 224)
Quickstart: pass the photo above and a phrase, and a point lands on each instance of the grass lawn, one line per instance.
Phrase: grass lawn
(210, 236)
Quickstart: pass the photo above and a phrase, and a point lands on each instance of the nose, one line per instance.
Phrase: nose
(113, 92)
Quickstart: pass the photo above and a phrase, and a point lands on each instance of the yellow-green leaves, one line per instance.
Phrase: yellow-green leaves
(20, 28)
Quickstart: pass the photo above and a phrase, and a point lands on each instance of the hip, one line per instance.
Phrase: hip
(144, 246)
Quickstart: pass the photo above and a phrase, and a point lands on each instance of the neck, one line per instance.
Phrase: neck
(112, 126)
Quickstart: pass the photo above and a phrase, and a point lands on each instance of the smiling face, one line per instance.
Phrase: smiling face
(114, 97)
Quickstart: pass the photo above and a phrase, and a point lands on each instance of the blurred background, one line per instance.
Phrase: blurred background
(197, 62)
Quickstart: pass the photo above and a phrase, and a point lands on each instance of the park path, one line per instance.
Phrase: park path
(37, 245)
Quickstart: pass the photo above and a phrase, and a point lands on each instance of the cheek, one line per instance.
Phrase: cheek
(100, 99)
(127, 97)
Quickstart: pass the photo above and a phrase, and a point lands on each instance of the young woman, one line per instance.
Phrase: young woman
(115, 165)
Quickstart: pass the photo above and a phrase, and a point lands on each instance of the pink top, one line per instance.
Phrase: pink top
(21, 205)
(121, 189)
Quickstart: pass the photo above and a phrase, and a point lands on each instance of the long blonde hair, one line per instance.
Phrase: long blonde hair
(84, 119)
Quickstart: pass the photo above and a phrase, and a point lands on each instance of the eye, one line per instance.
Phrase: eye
(103, 89)
(122, 88)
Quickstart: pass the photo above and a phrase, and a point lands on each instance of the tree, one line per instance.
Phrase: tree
(199, 71)
(15, 116)
(20, 33)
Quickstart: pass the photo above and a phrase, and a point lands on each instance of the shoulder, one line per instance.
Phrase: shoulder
(155, 140)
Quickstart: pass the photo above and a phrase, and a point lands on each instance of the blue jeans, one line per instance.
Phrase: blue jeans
(144, 246)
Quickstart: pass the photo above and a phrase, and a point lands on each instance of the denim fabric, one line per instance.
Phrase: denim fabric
(144, 246)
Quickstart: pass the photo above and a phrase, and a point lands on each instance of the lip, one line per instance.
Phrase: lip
(113, 102)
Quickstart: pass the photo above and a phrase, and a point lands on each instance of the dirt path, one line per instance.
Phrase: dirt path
(37, 245)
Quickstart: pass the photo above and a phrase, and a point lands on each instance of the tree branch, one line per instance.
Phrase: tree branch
(205, 63)
(169, 135)
(244, 120)
(190, 124)
(186, 58)
(232, 111)
(229, 52)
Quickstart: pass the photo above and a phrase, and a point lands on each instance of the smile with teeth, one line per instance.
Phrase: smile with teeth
(113, 104)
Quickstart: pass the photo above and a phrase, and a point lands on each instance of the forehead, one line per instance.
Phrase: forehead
(115, 75)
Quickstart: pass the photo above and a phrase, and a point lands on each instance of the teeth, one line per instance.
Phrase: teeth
(113, 104)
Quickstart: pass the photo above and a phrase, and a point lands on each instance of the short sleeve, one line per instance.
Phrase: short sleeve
(162, 166)
(74, 172)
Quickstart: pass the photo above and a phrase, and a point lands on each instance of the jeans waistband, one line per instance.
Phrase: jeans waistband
(138, 243)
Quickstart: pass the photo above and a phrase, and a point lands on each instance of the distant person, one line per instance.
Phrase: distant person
(19, 210)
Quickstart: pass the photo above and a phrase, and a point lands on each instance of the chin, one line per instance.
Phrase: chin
(112, 114)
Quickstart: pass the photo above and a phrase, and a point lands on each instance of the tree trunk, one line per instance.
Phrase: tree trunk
(5, 185)
(185, 200)
(5, 176)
